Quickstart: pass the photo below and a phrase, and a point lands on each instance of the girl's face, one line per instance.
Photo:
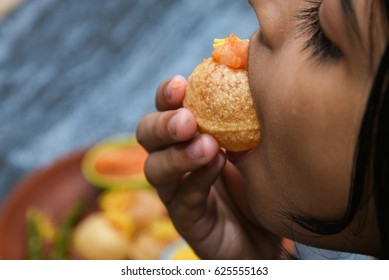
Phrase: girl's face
(310, 70)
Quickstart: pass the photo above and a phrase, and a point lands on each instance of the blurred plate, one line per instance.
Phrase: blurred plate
(55, 189)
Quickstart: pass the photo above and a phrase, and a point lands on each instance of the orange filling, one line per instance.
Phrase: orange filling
(122, 162)
(233, 52)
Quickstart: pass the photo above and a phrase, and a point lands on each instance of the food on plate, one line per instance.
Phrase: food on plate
(123, 220)
(42, 224)
(154, 239)
(47, 240)
(143, 207)
(39, 230)
(130, 224)
(218, 95)
(114, 163)
(95, 238)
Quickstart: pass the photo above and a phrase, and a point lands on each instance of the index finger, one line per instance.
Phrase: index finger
(160, 129)
(170, 93)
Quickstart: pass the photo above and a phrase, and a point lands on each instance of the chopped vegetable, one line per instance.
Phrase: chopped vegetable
(116, 163)
(231, 51)
(34, 239)
(44, 224)
(41, 232)
(62, 240)
(218, 42)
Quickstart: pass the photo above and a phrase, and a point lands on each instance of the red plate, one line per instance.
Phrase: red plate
(55, 189)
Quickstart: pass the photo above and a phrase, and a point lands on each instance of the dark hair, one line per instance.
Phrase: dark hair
(371, 160)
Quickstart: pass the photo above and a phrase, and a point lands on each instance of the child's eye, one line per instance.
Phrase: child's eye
(320, 46)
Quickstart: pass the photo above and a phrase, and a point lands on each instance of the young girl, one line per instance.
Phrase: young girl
(318, 73)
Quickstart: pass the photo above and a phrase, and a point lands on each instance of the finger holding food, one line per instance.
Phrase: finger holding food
(170, 93)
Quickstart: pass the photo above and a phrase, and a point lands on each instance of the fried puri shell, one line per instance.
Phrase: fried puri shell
(220, 99)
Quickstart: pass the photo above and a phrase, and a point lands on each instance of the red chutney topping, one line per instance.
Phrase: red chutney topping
(232, 52)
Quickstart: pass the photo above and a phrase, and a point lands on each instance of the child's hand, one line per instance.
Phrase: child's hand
(199, 188)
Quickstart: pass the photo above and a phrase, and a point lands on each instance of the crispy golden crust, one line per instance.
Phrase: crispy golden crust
(220, 99)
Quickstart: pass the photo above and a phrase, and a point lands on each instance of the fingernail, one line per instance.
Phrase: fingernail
(174, 84)
(172, 125)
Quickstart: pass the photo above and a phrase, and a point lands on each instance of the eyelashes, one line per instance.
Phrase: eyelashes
(309, 26)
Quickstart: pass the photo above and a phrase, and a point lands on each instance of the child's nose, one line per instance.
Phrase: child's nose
(273, 17)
